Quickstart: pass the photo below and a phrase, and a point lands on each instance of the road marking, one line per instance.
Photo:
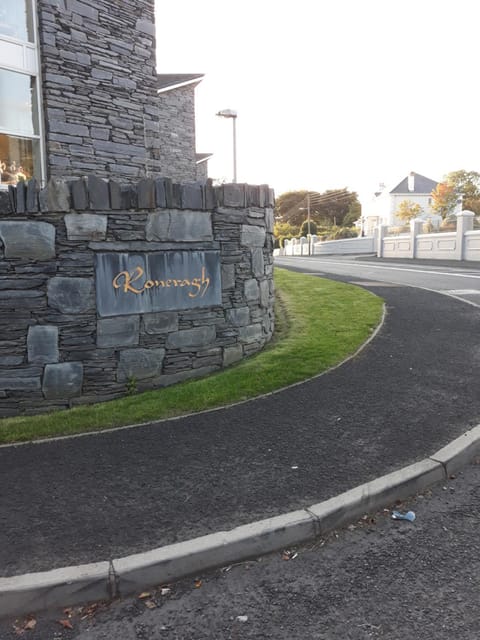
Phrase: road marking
(391, 268)
(463, 292)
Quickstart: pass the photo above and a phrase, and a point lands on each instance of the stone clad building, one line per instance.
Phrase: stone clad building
(79, 94)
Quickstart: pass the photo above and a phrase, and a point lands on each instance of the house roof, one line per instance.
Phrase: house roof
(202, 157)
(169, 81)
(421, 185)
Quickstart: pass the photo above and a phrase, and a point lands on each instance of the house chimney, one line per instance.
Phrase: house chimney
(411, 181)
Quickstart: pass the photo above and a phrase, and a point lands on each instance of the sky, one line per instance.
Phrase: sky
(329, 93)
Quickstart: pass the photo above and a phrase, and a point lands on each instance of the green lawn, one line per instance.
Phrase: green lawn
(318, 323)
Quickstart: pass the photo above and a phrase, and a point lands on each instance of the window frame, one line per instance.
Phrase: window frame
(30, 67)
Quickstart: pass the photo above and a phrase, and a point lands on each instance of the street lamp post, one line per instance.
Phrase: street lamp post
(229, 113)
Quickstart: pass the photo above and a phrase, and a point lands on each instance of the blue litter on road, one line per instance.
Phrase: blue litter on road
(410, 515)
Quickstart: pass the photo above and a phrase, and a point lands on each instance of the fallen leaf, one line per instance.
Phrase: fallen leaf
(150, 604)
(66, 624)
(145, 594)
(197, 584)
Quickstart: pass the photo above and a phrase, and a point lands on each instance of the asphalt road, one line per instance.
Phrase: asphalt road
(458, 279)
(92, 498)
(379, 578)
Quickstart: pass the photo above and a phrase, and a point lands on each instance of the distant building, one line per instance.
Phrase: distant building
(415, 188)
(79, 93)
(177, 155)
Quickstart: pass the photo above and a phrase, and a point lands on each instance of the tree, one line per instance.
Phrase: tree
(408, 210)
(444, 199)
(354, 213)
(327, 208)
(304, 229)
(285, 229)
(467, 185)
(289, 206)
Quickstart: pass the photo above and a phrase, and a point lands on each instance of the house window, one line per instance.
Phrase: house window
(20, 119)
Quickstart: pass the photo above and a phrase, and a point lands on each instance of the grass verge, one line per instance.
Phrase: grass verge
(318, 323)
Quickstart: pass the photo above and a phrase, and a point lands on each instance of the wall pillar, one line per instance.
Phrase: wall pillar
(464, 224)
(416, 226)
(380, 232)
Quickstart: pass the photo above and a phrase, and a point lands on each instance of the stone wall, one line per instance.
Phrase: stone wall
(177, 133)
(57, 351)
(99, 87)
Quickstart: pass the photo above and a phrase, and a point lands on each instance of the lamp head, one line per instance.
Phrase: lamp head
(227, 113)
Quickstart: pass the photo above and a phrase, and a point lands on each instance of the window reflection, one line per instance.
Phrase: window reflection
(17, 159)
(16, 19)
(16, 95)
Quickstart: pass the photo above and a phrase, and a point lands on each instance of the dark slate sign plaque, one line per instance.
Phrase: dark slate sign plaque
(128, 283)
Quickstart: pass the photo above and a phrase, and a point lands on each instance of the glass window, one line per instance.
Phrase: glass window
(16, 20)
(17, 98)
(19, 158)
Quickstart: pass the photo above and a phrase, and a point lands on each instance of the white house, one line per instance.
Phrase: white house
(381, 209)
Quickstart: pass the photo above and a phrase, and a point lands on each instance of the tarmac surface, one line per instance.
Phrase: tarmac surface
(88, 499)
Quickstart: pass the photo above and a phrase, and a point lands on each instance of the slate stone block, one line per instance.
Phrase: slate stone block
(98, 193)
(258, 263)
(118, 332)
(192, 196)
(160, 193)
(239, 316)
(210, 196)
(12, 197)
(232, 354)
(86, 226)
(58, 195)
(32, 240)
(43, 199)
(176, 196)
(197, 337)
(146, 194)
(42, 344)
(250, 333)
(79, 195)
(5, 203)
(140, 364)
(21, 197)
(252, 195)
(251, 289)
(169, 192)
(191, 226)
(252, 236)
(228, 276)
(115, 195)
(234, 195)
(157, 226)
(24, 379)
(32, 196)
(70, 295)
(264, 293)
(163, 322)
(63, 380)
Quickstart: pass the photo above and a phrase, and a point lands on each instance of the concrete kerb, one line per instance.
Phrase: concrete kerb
(120, 577)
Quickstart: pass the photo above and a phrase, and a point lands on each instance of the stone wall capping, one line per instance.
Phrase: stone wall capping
(79, 192)
(98, 193)
(32, 196)
(93, 193)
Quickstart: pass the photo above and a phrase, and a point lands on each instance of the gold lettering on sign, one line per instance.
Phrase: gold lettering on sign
(133, 282)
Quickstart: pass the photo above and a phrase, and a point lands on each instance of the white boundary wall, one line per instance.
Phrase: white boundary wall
(462, 244)
(299, 246)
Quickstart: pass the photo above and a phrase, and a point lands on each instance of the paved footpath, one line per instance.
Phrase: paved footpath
(88, 499)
